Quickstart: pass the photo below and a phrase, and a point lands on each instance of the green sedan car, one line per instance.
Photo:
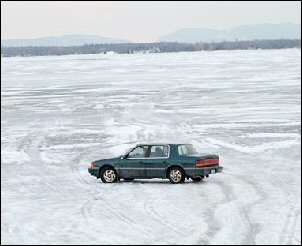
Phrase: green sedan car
(146, 161)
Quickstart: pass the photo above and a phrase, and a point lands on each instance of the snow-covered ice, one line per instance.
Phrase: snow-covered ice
(61, 113)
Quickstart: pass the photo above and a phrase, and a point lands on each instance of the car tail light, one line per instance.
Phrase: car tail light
(207, 163)
(93, 164)
(199, 163)
(211, 162)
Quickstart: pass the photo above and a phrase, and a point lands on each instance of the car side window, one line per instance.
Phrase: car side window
(138, 152)
(182, 150)
(159, 151)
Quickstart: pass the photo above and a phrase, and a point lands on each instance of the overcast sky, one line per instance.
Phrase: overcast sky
(136, 21)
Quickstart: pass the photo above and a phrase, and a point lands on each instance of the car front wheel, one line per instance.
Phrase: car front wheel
(176, 175)
(108, 175)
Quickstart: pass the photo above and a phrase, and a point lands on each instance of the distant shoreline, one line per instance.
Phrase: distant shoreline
(159, 47)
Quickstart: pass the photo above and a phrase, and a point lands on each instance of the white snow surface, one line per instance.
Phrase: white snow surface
(61, 113)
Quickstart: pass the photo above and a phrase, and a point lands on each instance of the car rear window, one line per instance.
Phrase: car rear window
(186, 149)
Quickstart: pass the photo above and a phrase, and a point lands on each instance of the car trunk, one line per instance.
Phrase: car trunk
(207, 160)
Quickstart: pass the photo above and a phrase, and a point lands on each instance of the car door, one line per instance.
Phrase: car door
(157, 161)
(132, 165)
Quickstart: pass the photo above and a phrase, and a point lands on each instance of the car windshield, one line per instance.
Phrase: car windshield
(127, 151)
(186, 149)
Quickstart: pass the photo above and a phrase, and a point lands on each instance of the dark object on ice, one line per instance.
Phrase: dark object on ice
(145, 161)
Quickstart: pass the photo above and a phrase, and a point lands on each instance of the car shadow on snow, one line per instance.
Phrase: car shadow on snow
(157, 181)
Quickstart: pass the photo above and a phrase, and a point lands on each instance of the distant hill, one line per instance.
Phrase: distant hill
(246, 32)
(66, 40)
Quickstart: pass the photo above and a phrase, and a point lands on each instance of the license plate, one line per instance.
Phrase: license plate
(212, 171)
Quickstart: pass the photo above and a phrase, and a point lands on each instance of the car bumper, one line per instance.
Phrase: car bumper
(213, 170)
(203, 171)
(94, 171)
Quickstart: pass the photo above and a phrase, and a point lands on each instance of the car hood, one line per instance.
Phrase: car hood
(107, 160)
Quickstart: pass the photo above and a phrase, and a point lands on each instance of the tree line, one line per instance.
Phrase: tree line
(160, 47)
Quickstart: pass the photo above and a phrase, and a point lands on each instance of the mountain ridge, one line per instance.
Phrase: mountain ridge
(64, 40)
(185, 35)
(243, 32)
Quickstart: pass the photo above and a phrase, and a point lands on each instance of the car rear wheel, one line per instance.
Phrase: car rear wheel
(176, 175)
(108, 175)
(197, 179)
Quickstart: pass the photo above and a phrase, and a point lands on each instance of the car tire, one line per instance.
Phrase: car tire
(176, 175)
(197, 179)
(108, 175)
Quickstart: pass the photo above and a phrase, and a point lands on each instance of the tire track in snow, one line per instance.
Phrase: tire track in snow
(179, 229)
(287, 236)
(32, 149)
(240, 212)
(260, 197)
(159, 218)
(90, 208)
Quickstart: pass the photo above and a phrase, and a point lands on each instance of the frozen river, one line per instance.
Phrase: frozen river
(61, 113)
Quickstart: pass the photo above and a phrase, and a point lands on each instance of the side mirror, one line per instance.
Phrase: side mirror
(124, 156)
